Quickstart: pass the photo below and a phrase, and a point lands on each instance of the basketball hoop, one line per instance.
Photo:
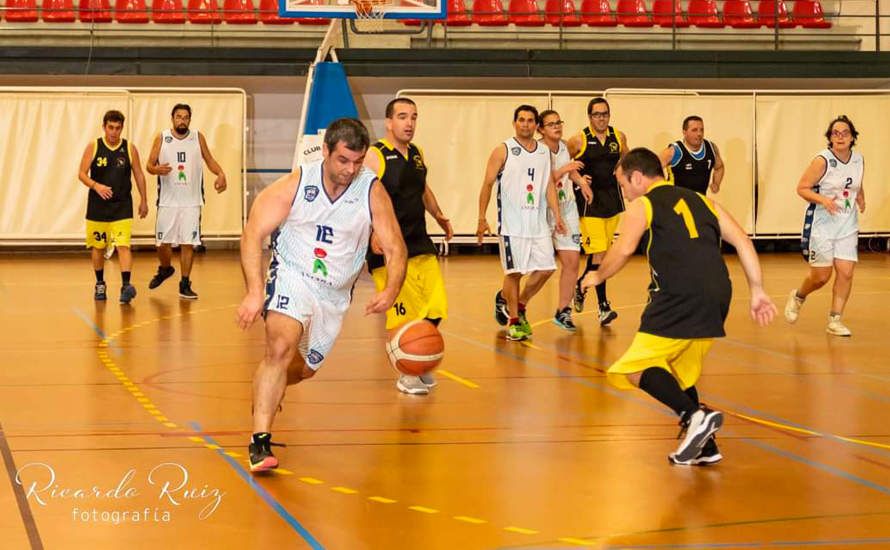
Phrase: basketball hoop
(369, 14)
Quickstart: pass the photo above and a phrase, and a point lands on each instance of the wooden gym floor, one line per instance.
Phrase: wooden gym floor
(128, 426)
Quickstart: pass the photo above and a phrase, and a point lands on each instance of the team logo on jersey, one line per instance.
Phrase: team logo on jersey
(120, 162)
(168, 139)
(613, 147)
(318, 265)
(530, 197)
(576, 238)
(515, 151)
(832, 163)
(314, 357)
(418, 162)
(181, 176)
(846, 200)
(310, 192)
(561, 193)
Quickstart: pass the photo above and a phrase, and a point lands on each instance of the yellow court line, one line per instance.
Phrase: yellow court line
(458, 379)
(344, 490)
(423, 509)
(468, 519)
(311, 480)
(576, 542)
(528, 344)
(521, 530)
(383, 500)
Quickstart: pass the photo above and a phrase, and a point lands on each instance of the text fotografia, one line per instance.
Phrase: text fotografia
(166, 484)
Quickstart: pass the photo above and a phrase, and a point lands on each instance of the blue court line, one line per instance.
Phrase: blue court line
(824, 467)
(268, 170)
(270, 500)
(111, 345)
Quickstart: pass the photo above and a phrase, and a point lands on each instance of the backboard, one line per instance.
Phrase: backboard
(344, 9)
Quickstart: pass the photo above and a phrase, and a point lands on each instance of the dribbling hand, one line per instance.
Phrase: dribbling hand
(249, 311)
(380, 302)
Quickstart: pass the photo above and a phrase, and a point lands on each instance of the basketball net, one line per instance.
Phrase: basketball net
(369, 14)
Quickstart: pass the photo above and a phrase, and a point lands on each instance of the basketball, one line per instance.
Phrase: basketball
(416, 348)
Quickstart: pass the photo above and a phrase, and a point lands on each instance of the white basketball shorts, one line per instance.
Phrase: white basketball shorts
(526, 254)
(178, 225)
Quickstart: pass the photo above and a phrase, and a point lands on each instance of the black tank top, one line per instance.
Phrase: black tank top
(599, 161)
(690, 290)
(111, 167)
(405, 180)
(691, 172)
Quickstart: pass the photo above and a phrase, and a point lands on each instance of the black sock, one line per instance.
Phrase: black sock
(257, 437)
(100, 275)
(693, 394)
(125, 278)
(588, 268)
(184, 281)
(662, 385)
(601, 293)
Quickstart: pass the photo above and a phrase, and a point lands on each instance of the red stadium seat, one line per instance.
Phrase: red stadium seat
(167, 11)
(632, 13)
(95, 11)
(739, 15)
(489, 13)
(808, 14)
(669, 13)
(766, 14)
(561, 13)
(239, 12)
(457, 14)
(597, 13)
(130, 11)
(525, 13)
(21, 11)
(269, 14)
(204, 12)
(58, 11)
(703, 13)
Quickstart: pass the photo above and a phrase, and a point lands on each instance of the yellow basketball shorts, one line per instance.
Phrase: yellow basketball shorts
(99, 234)
(681, 357)
(422, 295)
(597, 233)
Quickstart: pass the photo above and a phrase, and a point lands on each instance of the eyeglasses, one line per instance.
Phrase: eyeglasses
(554, 124)
(603, 114)
(841, 133)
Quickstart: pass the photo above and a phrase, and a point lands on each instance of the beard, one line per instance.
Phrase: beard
(182, 129)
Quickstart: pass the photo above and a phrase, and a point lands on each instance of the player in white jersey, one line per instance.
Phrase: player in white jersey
(176, 158)
(321, 216)
(521, 168)
(568, 246)
(832, 184)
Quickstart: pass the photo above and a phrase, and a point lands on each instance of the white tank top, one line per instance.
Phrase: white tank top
(565, 194)
(184, 185)
(522, 191)
(325, 241)
(841, 183)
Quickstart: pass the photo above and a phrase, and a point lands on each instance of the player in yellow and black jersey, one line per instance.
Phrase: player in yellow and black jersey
(599, 146)
(106, 167)
(402, 169)
(689, 294)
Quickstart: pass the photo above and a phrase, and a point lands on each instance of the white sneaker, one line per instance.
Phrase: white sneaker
(412, 385)
(792, 307)
(837, 328)
(428, 380)
(699, 428)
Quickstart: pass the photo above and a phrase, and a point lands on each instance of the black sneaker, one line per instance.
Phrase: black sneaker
(128, 292)
(563, 319)
(162, 275)
(500, 309)
(186, 292)
(99, 292)
(709, 454)
(606, 314)
(260, 451)
(578, 301)
(698, 429)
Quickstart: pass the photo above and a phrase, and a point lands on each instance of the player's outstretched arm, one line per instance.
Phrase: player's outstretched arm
(762, 307)
(389, 237)
(269, 211)
(633, 226)
(494, 166)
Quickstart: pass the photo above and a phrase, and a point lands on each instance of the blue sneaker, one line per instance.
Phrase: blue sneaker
(563, 319)
(99, 292)
(128, 292)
